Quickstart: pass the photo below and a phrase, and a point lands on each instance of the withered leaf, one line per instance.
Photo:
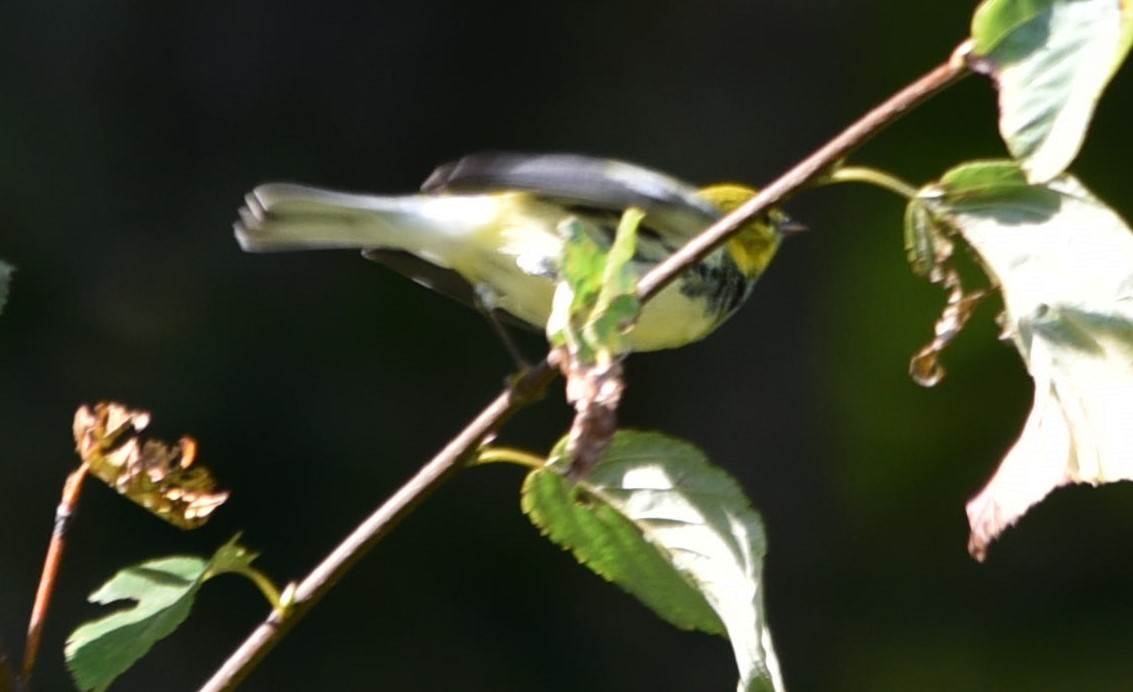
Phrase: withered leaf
(152, 473)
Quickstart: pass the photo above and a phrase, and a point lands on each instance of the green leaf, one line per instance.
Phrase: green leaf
(163, 590)
(1064, 263)
(617, 306)
(1051, 60)
(584, 261)
(595, 302)
(584, 257)
(925, 247)
(5, 278)
(656, 518)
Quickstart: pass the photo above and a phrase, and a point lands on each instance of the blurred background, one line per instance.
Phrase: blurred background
(317, 383)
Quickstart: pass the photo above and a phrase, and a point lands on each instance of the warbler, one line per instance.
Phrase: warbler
(489, 229)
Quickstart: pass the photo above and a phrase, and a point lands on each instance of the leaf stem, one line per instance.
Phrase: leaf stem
(871, 176)
(495, 455)
(266, 586)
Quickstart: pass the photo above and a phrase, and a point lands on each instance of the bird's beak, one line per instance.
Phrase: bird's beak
(789, 227)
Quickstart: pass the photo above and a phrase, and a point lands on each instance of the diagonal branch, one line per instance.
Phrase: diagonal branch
(452, 457)
(328, 572)
(804, 172)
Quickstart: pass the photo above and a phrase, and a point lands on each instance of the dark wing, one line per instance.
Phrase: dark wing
(673, 206)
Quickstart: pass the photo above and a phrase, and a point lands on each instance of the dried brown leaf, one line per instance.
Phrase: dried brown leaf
(151, 473)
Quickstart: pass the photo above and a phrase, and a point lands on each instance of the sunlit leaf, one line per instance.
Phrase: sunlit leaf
(616, 307)
(153, 474)
(1064, 264)
(1051, 60)
(162, 592)
(595, 302)
(584, 257)
(656, 518)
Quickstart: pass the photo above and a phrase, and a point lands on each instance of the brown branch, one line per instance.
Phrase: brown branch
(63, 514)
(327, 573)
(451, 458)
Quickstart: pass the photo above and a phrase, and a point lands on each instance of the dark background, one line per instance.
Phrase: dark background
(316, 383)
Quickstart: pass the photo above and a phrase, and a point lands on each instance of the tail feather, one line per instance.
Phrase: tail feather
(283, 216)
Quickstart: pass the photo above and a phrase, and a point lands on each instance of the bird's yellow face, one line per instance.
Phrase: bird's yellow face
(754, 246)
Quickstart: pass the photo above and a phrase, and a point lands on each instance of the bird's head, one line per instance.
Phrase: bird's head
(753, 247)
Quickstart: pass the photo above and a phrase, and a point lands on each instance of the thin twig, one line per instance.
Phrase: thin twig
(811, 167)
(451, 458)
(63, 514)
(369, 532)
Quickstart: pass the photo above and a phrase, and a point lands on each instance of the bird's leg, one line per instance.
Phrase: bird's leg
(485, 301)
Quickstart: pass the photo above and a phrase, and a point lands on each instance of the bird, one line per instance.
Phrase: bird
(489, 229)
